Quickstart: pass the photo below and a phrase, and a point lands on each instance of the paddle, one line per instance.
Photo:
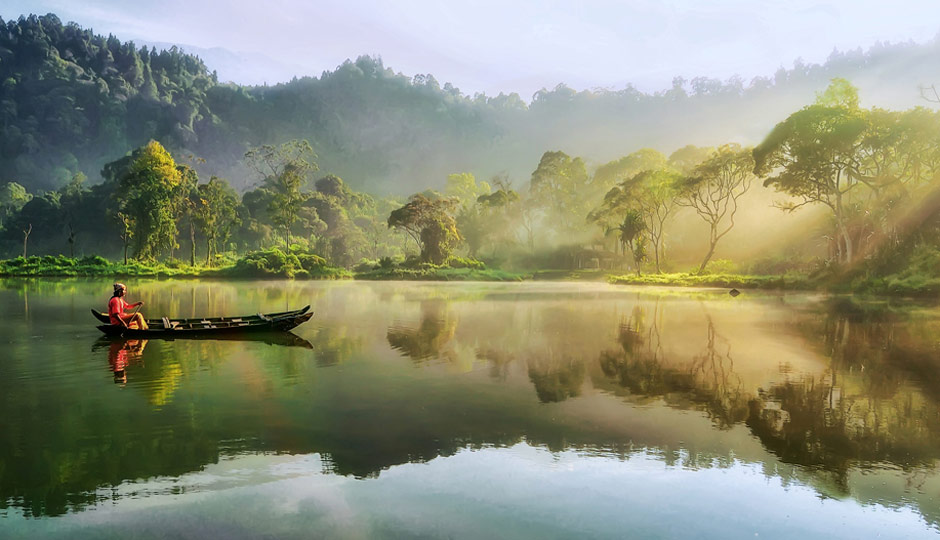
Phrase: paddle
(132, 315)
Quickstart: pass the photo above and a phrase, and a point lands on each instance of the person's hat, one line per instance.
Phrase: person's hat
(119, 286)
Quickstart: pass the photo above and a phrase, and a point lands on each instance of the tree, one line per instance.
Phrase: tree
(26, 233)
(215, 214)
(465, 188)
(430, 223)
(652, 195)
(12, 199)
(187, 200)
(127, 231)
(471, 223)
(813, 156)
(688, 157)
(609, 174)
(561, 187)
(630, 235)
(148, 191)
(284, 170)
(72, 198)
(713, 188)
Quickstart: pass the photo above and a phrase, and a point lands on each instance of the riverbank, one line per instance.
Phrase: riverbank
(268, 264)
(439, 274)
(274, 264)
(735, 281)
(258, 265)
(907, 285)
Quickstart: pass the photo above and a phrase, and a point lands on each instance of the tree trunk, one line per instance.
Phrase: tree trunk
(656, 256)
(125, 250)
(847, 237)
(192, 243)
(208, 249)
(26, 238)
(708, 257)
(713, 241)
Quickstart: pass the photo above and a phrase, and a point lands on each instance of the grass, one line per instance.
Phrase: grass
(258, 266)
(275, 264)
(782, 282)
(439, 274)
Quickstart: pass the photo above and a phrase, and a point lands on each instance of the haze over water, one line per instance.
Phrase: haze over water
(471, 410)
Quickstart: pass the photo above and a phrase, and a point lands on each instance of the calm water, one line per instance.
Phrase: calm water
(470, 411)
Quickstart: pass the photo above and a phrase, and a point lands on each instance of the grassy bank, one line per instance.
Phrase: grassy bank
(784, 282)
(274, 263)
(439, 274)
(918, 286)
(257, 265)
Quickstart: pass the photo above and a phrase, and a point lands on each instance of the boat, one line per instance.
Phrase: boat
(164, 327)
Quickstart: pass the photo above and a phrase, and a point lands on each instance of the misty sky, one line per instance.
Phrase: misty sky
(508, 46)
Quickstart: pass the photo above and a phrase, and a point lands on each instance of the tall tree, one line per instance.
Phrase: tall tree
(813, 156)
(560, 186)
(430, 222)
(652, 195)
(148, 191)
(12, 198)
(215, 214)
(713, 188)
(630, 236)
(284, 171)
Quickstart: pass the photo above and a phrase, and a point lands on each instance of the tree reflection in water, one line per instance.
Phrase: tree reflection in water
(708, 380)
(431, 339)
(556, 377)
(876, 401)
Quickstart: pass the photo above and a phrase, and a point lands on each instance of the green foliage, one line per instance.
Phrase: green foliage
(215, 213)
(465, 188)
(12, 199)
(560, 187)
(284, 171)
(460, 262)
(439, 274)
(430, 222)
(648, 197)
(274, 262)
(149, 191)
(712, 188)
(786, 282)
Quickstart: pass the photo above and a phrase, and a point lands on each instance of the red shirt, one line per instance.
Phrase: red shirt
(116, 307)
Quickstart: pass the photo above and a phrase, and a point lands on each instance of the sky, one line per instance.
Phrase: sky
(505, 46)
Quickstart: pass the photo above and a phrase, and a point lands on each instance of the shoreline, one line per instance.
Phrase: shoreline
(61, 267)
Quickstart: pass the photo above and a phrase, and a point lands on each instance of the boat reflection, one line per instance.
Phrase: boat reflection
(284, 339)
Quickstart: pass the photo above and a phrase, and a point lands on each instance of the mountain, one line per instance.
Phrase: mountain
(235, 66)
(72, 101)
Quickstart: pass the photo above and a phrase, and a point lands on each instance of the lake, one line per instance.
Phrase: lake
(548, 410)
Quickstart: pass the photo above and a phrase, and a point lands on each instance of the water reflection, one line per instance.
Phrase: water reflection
(814, 393)
(122, 352)
(431, 338)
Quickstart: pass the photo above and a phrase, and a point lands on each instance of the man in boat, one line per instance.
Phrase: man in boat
(117, 307)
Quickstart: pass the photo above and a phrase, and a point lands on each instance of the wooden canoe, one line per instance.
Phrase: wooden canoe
(282, 321)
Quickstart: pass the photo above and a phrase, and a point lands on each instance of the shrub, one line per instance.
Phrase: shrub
(460, 262)
(720, 266)
(94, 260)
(365, 265)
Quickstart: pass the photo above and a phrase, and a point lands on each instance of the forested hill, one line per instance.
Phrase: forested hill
(71, 101)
